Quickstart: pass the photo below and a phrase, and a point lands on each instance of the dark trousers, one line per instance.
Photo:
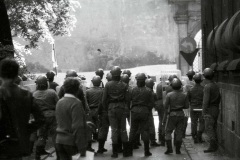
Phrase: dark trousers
(117, 119)
(139, 122)
(196, 117)
(211, 127)
(175, 123)
(161, 126)
(66, 151)
(103, 126)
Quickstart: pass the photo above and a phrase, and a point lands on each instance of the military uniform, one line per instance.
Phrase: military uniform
(175, 102)
(195, 96)
(114, 100)
(211, 100)
(142, 99)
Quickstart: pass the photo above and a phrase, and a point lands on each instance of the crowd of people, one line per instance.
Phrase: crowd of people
(75, 116)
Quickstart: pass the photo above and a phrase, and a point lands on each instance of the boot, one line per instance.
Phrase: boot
(169, 147)
(153, 141)
(146, 149)
(114, 150)
(95, 136)
(161, 140)
(199, 136)
(101, 148)
(212, 147)
(126, 150)
(178, 146)
(120, 145)
(89, 147)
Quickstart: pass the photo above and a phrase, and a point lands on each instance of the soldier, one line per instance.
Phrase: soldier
(186, 88)
(94, 98)
(16, 106)
(169, 87)
(160, 110)
(211, 100)
(141, 98)
(114, 98)
(103, 123)
(50, 76)
(175, 102)
(100, 73)
(46, 99)
(195, 96)
(150, 83)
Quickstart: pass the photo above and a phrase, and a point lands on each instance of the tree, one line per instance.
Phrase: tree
(35, 20)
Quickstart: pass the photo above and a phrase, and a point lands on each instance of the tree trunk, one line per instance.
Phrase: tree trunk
(5, 33)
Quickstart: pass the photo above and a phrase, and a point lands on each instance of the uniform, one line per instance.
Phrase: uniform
(211, 100)
(195, 96)
(114, 100)
(94, 98)
(175, 102)
(142, 99)
(46, 100)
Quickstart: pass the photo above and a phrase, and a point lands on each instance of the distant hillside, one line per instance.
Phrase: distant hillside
(131, 30)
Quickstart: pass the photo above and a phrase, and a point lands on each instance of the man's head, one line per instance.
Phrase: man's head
(171, 77)
(176, 84)
(9, 69)
(190, 74)
(128, 72)
(208, 73)
(197, 78)
(96, 81)
(116, 72)
(141, 77)
(149, 83)
(71, 73)
(50, 76)
(71, 85)
(109, 76)
(125, 78)
(42, 83)
(100, 72)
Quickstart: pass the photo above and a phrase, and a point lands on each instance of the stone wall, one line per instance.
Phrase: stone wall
(229, 121)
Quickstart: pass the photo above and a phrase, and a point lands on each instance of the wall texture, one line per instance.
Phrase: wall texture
(214, 13)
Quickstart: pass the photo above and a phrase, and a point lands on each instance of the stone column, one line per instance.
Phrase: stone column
(181, 18)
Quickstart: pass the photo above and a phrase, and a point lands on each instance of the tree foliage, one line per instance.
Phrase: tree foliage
(35, 20)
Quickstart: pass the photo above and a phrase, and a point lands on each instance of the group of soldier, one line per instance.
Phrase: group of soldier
(76, 116)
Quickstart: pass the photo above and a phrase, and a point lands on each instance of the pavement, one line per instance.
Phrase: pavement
(190, 151)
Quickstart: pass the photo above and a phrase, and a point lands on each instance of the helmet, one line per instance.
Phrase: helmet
(116, 71)
(96, 80)
(190, 73)
(109, 76)
(149, 83)
(41, 80)
(50, 74)
(128, 72)
(99, 72)
(141, 76)
(125, 78)
(197, 77)
(208, 73)
(176, 83)
(171, 77)
(71, 73)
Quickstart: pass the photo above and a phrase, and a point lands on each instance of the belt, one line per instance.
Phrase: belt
(92, 107)
(115, 101)
(176, 110)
